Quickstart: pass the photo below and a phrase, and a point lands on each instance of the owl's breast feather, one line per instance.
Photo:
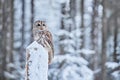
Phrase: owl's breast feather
(36, 37)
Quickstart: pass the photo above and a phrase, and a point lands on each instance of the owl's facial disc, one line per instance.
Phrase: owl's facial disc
(40, 25)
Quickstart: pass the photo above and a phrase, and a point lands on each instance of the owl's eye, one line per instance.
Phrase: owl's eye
(38, 25)
(43, 24)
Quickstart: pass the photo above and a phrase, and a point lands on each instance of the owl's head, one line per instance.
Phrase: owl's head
(40, 25)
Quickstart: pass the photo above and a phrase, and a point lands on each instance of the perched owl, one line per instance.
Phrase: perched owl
(43, 36)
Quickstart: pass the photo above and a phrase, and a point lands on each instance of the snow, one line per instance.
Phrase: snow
(67, 67)
(116, 75)
(112, 65)
(9, 75)
(72, 59)
(62, 32)
(87, 51)
(38, 62)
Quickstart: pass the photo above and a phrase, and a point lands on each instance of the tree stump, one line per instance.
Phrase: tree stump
(36, 62)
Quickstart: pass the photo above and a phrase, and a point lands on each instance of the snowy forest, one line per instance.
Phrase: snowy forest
(86, 37)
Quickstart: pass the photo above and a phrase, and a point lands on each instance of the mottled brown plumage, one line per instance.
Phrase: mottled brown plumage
(43, 36)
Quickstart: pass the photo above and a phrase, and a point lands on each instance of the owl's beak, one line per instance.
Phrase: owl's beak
(41, 28)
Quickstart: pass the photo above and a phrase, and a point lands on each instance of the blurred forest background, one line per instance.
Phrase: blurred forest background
(86, 37)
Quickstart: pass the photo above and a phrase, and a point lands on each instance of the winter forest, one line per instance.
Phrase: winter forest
(86, 37)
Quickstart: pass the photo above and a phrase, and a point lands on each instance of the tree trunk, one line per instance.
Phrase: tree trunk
(82, 23)
(22, 30)
(72, 14)
(115, 39)
(1, 39)
(104, 40)
(94, 24)
(32, 17)
(94, 34)
(62, 28)
(12, 29)
(9, 25)
(4, 30)
(7, 39)
(23, 23)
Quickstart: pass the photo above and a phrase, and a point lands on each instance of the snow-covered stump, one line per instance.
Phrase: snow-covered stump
(36, 62)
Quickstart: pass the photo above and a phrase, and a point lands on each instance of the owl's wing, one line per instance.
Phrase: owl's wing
(48, 37)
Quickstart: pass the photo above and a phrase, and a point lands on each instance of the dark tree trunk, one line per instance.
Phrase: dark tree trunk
(104, 40)
(32, 11)
(6, 37)
(32, 18)
(1, 40)
(22, 32)
(115, 39)
(82, 23)
(73, 24)
(94, 34)
(63, 12)
(94, 23)
(4, 30)
(9, 39)
(12, 29)
(23, 23)
(94, 38)
(72, 14)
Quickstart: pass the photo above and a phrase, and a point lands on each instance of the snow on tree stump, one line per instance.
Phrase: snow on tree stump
(36, 62)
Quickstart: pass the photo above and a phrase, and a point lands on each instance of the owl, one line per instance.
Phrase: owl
(43, 36)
